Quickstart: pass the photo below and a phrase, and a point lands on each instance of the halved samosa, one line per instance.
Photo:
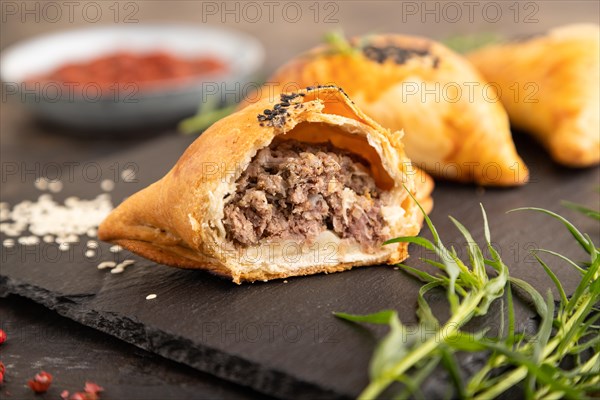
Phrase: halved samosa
(455, 128)
(550, 86)
(301, 185)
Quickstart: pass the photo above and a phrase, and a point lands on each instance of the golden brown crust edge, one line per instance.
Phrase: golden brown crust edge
(168, 256)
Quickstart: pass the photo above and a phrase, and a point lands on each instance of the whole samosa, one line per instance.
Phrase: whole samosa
(550, 86)
(455, 127)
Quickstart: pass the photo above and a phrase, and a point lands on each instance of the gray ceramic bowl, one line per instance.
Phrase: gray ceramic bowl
(131, 107)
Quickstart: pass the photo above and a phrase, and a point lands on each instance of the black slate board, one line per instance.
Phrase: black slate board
(280, 338)
(74, 353)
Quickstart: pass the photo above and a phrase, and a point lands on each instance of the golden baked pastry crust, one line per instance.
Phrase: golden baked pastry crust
(178, 220)
(466, 139)
(550, 86)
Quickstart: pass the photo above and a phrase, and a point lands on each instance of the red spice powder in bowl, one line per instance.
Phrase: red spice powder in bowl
(156, 70)
(128, 77)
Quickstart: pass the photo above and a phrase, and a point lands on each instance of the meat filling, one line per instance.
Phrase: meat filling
(294, 190)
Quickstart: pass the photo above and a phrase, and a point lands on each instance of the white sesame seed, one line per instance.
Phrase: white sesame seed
(10, 230)
(64, 246)
(41, 183)
(8, 243)
(107, 185)
(90, 253)
(44, 198)
(47, 217)
(28, 240)
(106, 264)
(71, 201)
(151, 296)
(4, 214)
(92, 232)
(55, 186)
(115, 249)
(48, 239)
(72, 238)
(92, 244)
(128, 175)
(121, 266)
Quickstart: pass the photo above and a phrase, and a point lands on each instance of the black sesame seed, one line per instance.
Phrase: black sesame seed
(398, 55)
(267, 112)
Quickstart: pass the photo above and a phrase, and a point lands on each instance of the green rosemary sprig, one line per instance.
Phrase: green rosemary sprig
(339, 44)
(569, 330)
(466, 43)
(470, 291)
(208, 113)
(582, 209)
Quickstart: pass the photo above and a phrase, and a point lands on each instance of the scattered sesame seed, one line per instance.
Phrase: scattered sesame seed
(71, 200)
(4, 214)
(128, 175)
(90, 253)
(29, 240)
(92, 232)
(45, 217)
(106, 264)
(8, 243)
(119, 268)
(285, 281)
(107, 185)
(115, 249)
(151, 296)
(55, 186)
(41, 183)
(92, 244)
(70, 238)
(48, 239)
(64, 246)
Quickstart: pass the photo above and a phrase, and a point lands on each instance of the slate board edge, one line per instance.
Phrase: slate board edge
(230, 368)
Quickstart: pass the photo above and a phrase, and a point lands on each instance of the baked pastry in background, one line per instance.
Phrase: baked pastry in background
(550, 86)
(454, 126)
(303, 184)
